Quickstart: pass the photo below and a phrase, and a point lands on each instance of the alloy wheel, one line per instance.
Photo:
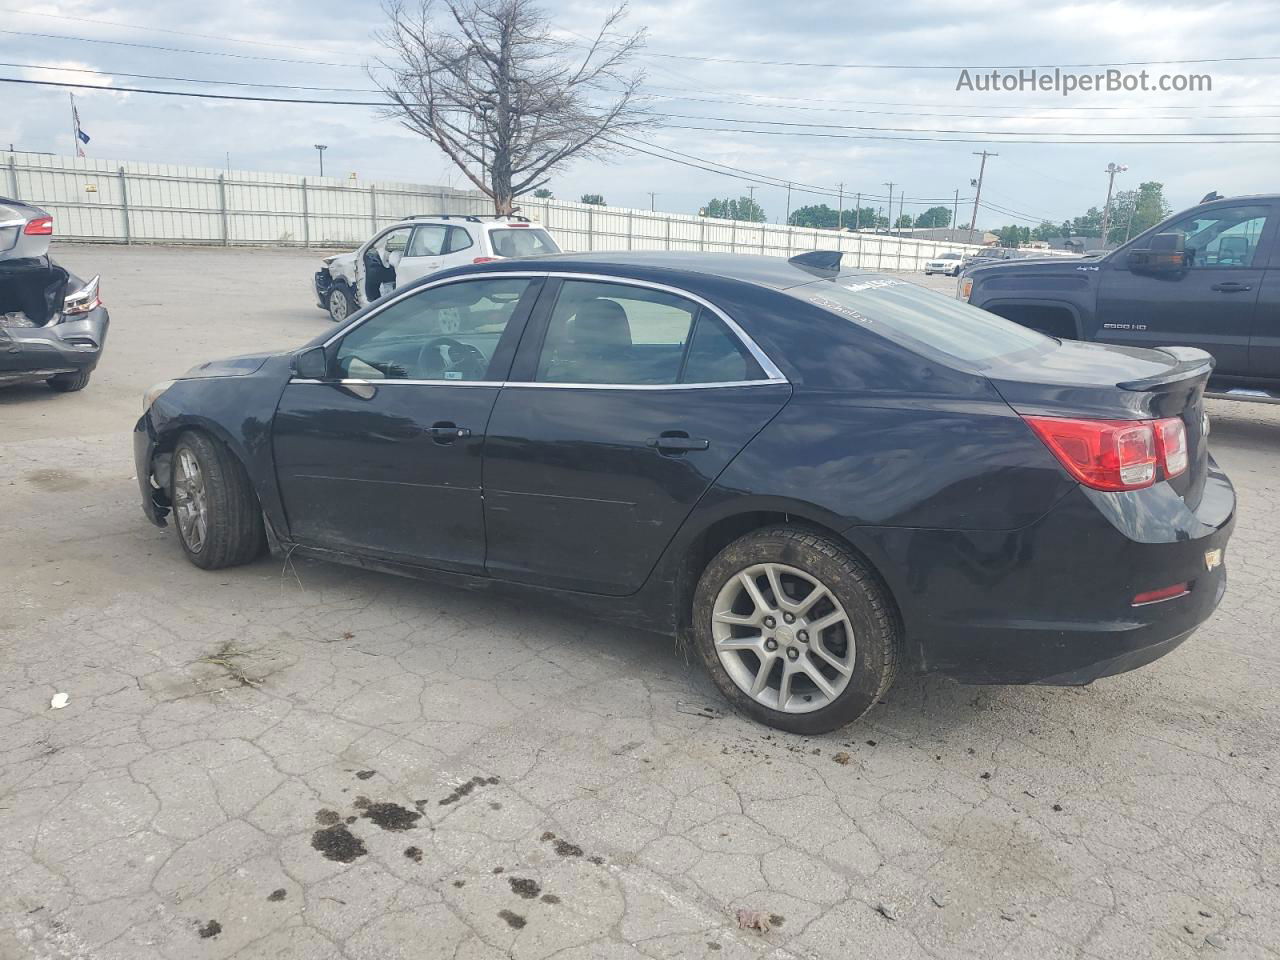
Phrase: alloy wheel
(337, 305)
(190, 501)
(783, 638)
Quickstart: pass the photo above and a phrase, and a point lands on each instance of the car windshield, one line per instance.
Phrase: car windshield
(922, 319)
(522, 242)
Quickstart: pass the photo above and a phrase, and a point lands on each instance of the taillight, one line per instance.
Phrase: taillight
(39, 227)
(1115, 454)
(1171, 439)
(85, 300)
(486, 259)
(966, 288)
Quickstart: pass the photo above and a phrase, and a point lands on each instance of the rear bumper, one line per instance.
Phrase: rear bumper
(1052, 603)
(36, 353)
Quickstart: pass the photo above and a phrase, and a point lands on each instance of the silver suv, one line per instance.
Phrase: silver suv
(418, 246)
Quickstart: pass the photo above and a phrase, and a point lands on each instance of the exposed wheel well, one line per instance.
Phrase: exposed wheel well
(1051, 320)
(723, 532)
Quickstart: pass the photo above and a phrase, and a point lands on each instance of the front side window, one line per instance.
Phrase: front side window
(522, 242)
(614, 334)
(1222, 237)
(448, 332)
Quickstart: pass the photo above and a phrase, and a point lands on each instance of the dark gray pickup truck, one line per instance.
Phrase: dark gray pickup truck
(1208, 277)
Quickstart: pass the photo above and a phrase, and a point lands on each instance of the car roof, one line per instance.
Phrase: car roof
(462, 219)
(778, 273)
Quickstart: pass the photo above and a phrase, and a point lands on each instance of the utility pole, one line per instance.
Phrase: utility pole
(902, 199)
(890, 185)
(788, 203)
(955, 211)
(1111, 171)
(1132, 210)
(973, 221)
(652, 195)
(840, 210)
(857, 213)
(321, 148)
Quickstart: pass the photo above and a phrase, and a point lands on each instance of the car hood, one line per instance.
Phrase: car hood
(1038, 266)
(340, 258)
(241, 366)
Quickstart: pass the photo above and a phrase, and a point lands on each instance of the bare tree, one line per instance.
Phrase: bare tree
(508, 102)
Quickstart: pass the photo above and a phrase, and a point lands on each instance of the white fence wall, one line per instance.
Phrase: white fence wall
(165, 203)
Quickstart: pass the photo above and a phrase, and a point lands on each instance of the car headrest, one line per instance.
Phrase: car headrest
(600, 322)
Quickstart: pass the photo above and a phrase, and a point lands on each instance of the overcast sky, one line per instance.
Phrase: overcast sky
(1050, 180)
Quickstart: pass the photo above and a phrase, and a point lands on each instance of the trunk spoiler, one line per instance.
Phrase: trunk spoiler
(1191, 363)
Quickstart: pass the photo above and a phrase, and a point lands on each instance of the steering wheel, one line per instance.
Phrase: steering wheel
(452, 356)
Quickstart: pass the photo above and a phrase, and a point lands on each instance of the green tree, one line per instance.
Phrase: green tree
(903, 222)
(1013, 235)
(1046, 231)
(1133, 211)
(818, 216)
(1089, 225)
(594, 199)
(935, 217)
(542, 193)
(743, 208)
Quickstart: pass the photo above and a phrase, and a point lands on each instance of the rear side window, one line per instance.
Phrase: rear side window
(614, 334)
(921, 318)
(522, 242)
(459, 239)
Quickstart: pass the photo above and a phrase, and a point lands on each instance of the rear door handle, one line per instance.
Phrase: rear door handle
(1231, 286)
(446, 432)
(678, 441)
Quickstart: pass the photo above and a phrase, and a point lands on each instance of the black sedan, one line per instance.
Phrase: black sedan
(821, 477)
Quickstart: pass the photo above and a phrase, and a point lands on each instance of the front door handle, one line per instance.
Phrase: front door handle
(1231, 286)
(678, 441)
(444, 431)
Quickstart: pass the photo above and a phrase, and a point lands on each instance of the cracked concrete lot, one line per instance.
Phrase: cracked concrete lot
(317, 762)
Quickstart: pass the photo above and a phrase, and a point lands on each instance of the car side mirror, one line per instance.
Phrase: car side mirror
(310, 364)
(1165, 255)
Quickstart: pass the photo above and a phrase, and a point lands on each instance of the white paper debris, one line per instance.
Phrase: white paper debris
(59, 701)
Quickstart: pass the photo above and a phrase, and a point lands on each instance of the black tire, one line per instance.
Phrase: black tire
(235, 533)
(69, 382)
(341, 304)
(872, 614)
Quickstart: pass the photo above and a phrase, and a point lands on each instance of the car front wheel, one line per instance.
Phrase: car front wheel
(796, 631)
(218, 517)
(341, 303)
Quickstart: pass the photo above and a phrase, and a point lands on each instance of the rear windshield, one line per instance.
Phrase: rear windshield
(921, 318)
(522, 242)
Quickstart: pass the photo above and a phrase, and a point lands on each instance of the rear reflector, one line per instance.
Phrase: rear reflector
(39, 227)
(486, 259)
(517, 224)
(1164, 593)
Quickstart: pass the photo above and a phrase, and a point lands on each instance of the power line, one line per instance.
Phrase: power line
(987, 139)
(152, 46)
(137, 26)
(226, 83)
(193, 93)
(951, 66)
(993, 133)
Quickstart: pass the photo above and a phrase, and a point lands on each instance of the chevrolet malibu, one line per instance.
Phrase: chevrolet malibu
(820, 477)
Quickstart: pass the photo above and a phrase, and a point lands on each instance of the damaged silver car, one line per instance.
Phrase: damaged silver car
(53, 325)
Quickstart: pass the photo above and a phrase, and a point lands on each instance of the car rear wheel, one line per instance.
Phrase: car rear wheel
(796, 631)
(218, 517)
(69, 382)
(341, 303)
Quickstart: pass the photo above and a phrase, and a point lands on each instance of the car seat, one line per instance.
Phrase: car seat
(595, 347)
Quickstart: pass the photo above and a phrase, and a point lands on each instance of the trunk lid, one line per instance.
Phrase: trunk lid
(1096, 381)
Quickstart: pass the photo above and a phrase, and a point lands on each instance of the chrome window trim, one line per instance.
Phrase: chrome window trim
(543, 385)
(771, 371)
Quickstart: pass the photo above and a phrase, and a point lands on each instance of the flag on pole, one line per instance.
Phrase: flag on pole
(81, 137)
